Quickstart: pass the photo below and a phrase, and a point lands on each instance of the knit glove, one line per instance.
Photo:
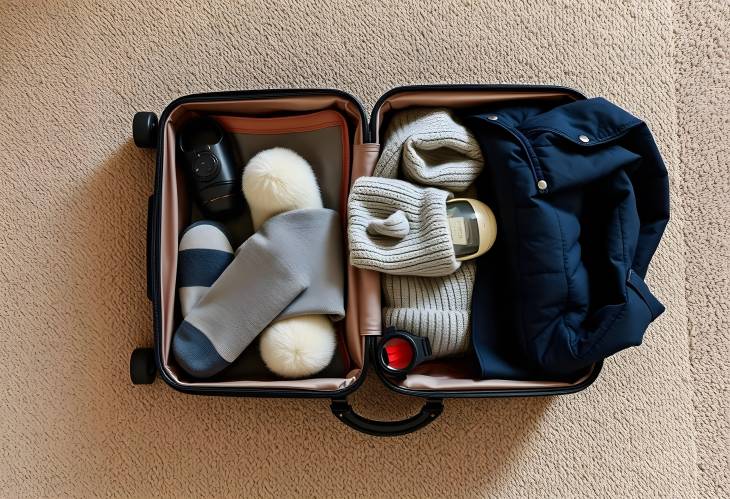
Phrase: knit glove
(398, 228)
(436, 150)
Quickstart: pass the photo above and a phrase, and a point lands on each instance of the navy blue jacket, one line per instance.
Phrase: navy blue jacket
(582, 198)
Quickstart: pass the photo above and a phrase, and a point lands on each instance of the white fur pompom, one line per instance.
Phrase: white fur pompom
(298, 346)
(278, 180)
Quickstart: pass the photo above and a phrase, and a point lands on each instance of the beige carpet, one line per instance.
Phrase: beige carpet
(72, 223)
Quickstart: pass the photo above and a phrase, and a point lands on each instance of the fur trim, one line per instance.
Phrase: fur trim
(298, 346)
(278, 180)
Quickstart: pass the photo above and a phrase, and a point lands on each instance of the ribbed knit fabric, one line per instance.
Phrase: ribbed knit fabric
(398, 228)
(435, 307)
(425, 290)
(435, 150)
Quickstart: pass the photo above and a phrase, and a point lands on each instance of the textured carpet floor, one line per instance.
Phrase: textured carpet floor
(74, 192)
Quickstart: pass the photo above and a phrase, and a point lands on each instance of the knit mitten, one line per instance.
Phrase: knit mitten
(435, 150)
(435, 307)
(399, 228)
(204, 253)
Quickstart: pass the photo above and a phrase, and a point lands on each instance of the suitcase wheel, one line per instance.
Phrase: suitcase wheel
(144, 129)
(142, 367)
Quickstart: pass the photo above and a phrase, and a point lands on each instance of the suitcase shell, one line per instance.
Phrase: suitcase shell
(146, 362)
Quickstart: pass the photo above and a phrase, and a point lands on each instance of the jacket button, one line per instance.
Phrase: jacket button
(492, 117)
(542, 185)
(584, 139)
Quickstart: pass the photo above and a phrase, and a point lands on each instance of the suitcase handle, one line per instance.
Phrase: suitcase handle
(345, 413)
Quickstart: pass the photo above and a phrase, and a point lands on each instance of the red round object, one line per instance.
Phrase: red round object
(399, 353)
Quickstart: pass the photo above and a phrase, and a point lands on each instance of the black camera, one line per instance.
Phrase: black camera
(212, 166)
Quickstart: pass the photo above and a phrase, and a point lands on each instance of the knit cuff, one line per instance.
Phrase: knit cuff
(431, 148)
(437, 308)
(398, 228)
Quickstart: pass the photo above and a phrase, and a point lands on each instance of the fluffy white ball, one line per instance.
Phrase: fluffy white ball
(298, 346)
(278, 180)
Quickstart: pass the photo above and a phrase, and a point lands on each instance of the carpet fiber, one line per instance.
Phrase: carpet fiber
(74, 193)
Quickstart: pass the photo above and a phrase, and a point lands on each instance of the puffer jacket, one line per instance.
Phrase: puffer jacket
(582, 198)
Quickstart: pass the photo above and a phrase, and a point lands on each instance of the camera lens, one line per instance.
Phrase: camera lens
(205, 165)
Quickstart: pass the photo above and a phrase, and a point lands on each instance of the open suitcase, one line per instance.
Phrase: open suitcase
(169, 212)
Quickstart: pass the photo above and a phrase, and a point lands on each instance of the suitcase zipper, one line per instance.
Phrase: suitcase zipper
(266, 94)
(463, 86)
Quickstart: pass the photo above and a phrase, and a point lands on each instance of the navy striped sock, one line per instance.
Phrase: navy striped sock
(204, 253)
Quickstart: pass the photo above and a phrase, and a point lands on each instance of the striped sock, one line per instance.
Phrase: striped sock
(203, 254)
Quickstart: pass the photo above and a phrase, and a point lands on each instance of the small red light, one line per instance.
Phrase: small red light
(399, 353)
